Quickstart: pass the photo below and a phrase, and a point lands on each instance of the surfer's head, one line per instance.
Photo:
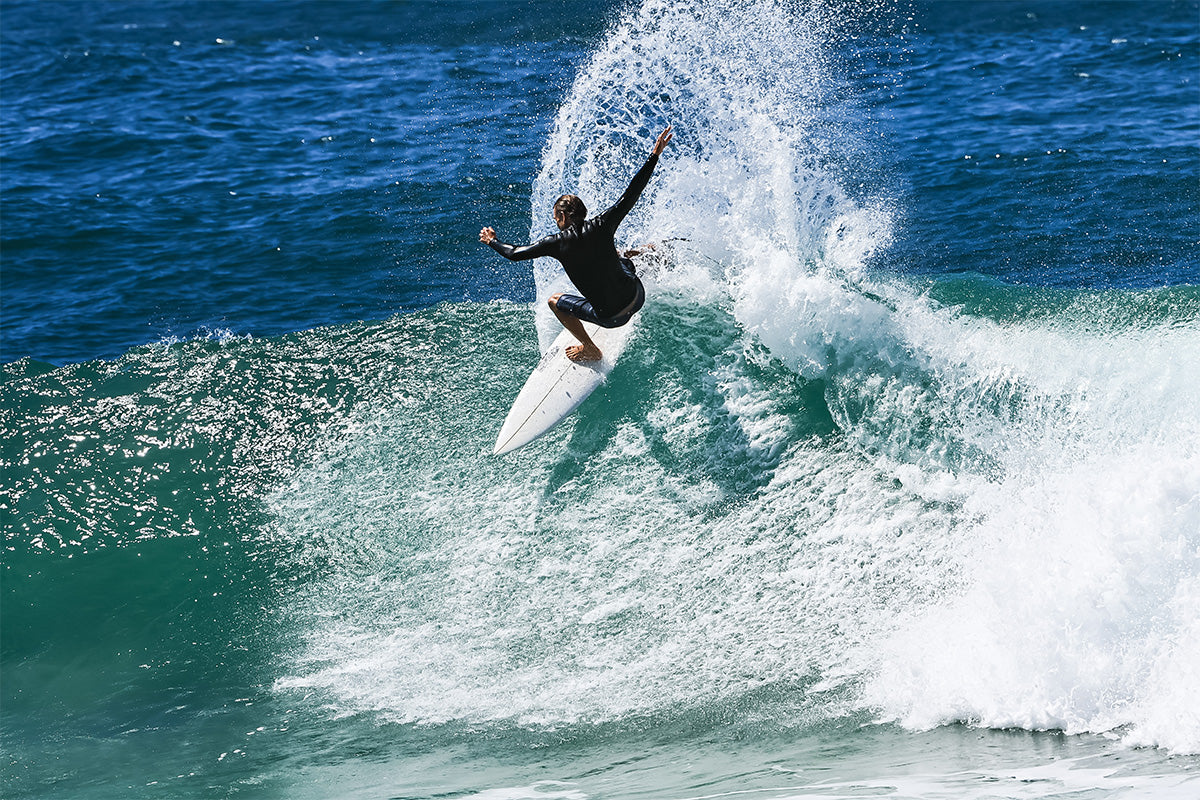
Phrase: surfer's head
(569, 212)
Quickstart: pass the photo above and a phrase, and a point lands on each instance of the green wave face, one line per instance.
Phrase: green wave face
(218, 534)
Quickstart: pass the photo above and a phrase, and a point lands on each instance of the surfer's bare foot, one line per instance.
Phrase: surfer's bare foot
(579, 352)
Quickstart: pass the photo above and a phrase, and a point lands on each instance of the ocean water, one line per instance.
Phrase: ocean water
(894, 492)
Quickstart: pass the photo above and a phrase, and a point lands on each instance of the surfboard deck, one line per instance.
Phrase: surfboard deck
(559, 385)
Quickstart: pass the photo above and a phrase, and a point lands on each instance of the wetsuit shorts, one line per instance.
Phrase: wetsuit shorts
(581, 308)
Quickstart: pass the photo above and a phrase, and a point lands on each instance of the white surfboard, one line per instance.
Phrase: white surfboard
(558, 385)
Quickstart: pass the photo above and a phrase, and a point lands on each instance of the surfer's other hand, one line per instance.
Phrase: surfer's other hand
(640, 250)
(664, 139)
(487, 235)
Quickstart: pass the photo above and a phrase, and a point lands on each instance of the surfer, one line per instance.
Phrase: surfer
(612, 292)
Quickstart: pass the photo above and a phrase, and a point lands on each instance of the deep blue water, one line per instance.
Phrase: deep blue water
(261, 168)
(895, 491)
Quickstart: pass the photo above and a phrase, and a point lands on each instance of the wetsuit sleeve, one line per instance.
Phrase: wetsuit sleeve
(623, 206)
(544, 247)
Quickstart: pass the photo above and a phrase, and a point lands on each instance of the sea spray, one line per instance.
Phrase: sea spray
(749, 89)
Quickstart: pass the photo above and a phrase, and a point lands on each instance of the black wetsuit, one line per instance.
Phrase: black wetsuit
(588, 253)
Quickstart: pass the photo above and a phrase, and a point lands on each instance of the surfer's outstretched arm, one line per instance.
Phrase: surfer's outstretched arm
(622, 207)
(545, 247)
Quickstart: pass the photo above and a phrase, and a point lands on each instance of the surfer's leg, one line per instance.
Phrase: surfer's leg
(587, 349)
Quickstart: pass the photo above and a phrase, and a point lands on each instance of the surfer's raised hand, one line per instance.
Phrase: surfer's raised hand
(487, 235)
(663, 139)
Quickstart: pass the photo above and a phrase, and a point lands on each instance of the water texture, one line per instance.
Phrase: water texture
(894, 492)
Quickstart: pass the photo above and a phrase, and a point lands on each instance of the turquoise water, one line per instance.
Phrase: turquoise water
(895, 491)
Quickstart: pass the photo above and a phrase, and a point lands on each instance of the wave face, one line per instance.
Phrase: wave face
(809, 490)
(999, 529)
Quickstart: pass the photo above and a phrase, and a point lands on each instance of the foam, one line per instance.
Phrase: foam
(635, 578)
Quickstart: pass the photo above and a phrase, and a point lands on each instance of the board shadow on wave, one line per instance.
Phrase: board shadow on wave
(696, 396)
